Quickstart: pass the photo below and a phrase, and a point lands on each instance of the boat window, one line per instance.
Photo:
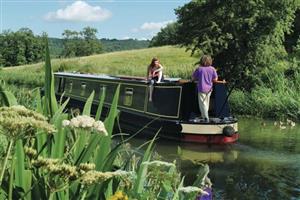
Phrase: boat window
(83, 87)
(128, 96)
(70, 86)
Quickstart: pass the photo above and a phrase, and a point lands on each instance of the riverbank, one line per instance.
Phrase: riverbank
(276, 94)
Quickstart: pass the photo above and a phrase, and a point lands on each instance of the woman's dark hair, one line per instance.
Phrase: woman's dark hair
(206, 60)
(152, 61)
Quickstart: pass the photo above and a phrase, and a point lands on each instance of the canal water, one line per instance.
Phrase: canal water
(263, 164)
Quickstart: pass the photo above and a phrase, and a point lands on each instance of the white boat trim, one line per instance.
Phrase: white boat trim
(206, 129)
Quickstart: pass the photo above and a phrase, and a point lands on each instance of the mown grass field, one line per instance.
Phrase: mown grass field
(176, 61)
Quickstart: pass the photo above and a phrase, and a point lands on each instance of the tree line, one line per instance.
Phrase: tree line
(244, 37)
(20, 47)
(24, 47)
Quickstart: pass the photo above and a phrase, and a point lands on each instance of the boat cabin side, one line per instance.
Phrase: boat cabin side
(171, 100)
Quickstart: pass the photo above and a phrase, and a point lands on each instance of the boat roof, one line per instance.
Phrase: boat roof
(112, 77)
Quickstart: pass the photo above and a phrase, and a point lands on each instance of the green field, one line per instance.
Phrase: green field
(275, 96)
(176, 61)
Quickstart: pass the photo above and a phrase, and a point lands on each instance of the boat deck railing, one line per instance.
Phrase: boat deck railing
(118, 77)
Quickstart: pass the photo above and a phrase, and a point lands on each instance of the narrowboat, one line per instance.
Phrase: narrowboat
(173, 109)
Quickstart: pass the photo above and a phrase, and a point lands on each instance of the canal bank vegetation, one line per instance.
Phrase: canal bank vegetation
(275, 94)
(48, 154)
(256, 51)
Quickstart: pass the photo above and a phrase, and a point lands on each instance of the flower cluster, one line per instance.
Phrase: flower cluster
(87, 166)
(30, 152)
(119, 195)
(87, 123)
(93, 176)
(56, 168)
(84, 172)
(18, 121)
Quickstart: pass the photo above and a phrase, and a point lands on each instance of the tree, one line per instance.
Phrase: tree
(291, 39)
(81, 43)
(21, 47)
(167, 36)
(91, 45)
(242, 36)
(70, 39)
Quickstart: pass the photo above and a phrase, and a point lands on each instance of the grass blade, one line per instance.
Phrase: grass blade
(88, 105)
(141, 176)
(8, 98)
(100, 106)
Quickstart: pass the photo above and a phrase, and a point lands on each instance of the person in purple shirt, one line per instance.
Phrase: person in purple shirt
(206, 75)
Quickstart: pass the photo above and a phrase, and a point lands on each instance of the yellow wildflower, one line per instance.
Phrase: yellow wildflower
(119, 195)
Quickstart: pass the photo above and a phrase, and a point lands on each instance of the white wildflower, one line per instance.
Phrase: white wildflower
(74, 123)
(87, 123)
(65, 122)
(99, 127)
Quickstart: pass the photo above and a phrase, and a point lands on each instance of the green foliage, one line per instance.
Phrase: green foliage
(6, 97)
(276, 97)
(291, 38)
(243, 37)
(3, 146)
(80, 169)
(23, 47)
(166, 36)
(20, 47)
(110, 45)
(56, 45)
(82, 43)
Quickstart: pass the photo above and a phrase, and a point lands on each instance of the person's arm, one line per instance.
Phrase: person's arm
(149, 75)
(158, 73)
(194, 75)
(217, 81)
(158, 69)
(215, 78)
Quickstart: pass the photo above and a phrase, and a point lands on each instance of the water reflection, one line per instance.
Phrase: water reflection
(264, 164)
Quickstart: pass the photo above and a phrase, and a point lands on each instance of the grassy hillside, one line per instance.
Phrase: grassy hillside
(277, 96)
(176, 61)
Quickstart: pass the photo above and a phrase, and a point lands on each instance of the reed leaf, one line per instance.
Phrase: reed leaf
(201, 175)
(100, 106)
(167, 185)
(105, 143)
(7, 97)
(82, 136)
(59, 112)
(23, 177)
(96, 139)
(50, 99)
(38, 99)
(142, 171)
(58, 147)
(88, 105)
(176, 194)
(54, 104)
